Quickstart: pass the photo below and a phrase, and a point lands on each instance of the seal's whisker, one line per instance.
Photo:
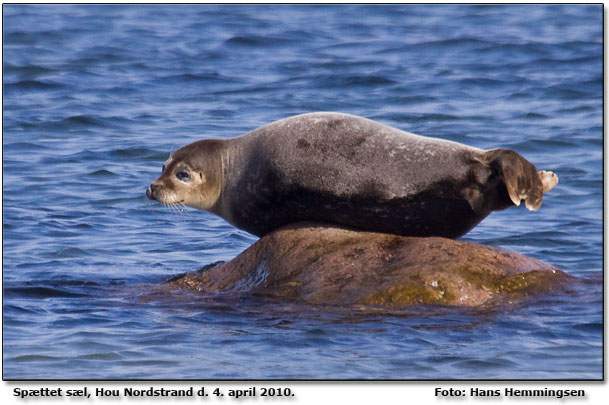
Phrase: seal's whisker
(171, 207)
(186, 215)
(183, 209)
(179, 210)
(176, 210)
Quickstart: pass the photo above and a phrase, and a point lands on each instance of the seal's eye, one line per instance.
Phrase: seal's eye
(183, 175)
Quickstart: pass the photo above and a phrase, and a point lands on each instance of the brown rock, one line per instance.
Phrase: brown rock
(331, 265)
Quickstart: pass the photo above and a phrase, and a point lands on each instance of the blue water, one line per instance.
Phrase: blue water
(96, 97)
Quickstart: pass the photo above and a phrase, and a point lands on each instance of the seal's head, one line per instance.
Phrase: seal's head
(191, 176)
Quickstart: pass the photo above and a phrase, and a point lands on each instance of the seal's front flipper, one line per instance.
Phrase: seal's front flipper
(521, 178)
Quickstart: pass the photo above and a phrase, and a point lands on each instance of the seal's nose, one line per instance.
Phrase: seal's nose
(150, 191)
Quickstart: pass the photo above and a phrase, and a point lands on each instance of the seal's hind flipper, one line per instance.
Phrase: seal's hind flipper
(520, 176)
(548, 179)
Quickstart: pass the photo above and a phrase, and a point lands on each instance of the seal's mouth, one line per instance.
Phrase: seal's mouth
(150, 192)
(156, 193)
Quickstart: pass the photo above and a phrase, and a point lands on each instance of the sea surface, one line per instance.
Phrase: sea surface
(96, 97)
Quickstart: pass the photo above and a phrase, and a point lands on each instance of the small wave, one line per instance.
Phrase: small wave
(258, 41)
(79, 157)
(412, 99)
(584, 60)
(535, 116)
(101, 356)
(577, 109)
(454, 42)
(411, 118)
(262, 88)
(523, 95)
(484, 82)
(30, 358)
(39, 292)
(19, 38)
(589, 327)
(477, 364)
(332, 81)
(529, 49)
(69, 252)
(221, 113)
(21, 146)
(436, 45)
(569, 92)
(111, 201)
(102, 173)
(199, 77)
(330, 64)
(82, 120)
(32, 85)
(28, 71)
(136, 152)
(21, 310)
(581, 45)
(30, 38)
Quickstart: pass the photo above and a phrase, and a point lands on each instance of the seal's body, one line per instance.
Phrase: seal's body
(348, 170)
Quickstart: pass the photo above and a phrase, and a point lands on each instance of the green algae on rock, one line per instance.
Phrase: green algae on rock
(322, 264)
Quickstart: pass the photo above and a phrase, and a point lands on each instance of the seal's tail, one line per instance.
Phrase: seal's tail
(521, 178)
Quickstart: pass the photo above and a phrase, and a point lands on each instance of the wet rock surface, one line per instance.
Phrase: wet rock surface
(321, 264)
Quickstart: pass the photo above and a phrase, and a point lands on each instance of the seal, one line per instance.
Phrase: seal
(342, 169)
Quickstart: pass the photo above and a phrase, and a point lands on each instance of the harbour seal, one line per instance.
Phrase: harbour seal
(347, 170)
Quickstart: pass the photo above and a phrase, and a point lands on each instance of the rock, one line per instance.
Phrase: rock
(332, 265)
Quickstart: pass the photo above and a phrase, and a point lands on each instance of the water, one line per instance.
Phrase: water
(95, 98)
